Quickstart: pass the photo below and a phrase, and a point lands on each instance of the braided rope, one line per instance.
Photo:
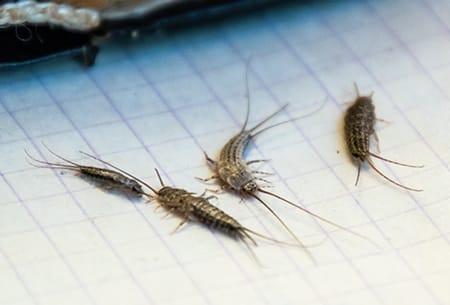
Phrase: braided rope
(47, 12)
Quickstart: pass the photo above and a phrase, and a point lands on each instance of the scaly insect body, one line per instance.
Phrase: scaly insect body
(107, 178)
(232, 170)
(198, 208)
(359, 127)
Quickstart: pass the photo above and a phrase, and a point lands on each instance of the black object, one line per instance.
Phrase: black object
(45, 41)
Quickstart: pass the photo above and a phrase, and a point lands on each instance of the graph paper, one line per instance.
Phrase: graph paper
(161, 100)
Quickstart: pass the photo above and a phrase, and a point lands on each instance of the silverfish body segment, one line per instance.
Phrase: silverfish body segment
(200, 209)
(359, 127)
(111, 179)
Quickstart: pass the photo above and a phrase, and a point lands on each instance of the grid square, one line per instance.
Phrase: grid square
(370, 267)
(336, 83)
(439, 9)
(269, 288)
(247, 36)
(76, 237)
(24, 95)
(146, 256)
(14, 218)
(137, 162)
(111, 137)
(229, 81)
(395, 293)
(124, 228)
(27, 247)
(350, 15)
(306, 160)
(197, 270)
(94, 110)
(55, 210)
(175, 277)
(139, 101)
(99, 265)
(391, 64)
(329, 273)
(437, 253)
(431, 53)
(309, 190)
(299, 24)
(118, 292)
(49, 276)
(277, 67)
(405, 98)
(10, 160)
(158, 128)
(45, 183)
(209, 53)
(159, 60)
(16, 291)
(212, 115)
(369, 199)
(8, 195)
(407, 20)
(121, 75)
(438, 212)
(65, 144)
(438, 286)
(168, 155)
(323, 54)
(380, 40)
(184, 91)
(408, 228)
(43, 120)
(102, 203)
(68, 297)
(65, 86)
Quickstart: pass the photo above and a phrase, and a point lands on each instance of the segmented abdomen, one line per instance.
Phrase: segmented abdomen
(110, 176)
(359, 126)
(233, 150)
(215, 218)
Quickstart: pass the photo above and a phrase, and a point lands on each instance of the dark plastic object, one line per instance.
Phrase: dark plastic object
(30, 43)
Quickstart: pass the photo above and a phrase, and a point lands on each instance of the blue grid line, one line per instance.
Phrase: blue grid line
(343, 184)
(191, 136)
(198, 71)
(106, 94)
(303, 135)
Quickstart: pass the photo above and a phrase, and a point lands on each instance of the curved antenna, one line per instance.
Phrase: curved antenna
(357, 175)
(274, 240)
(319, 217)
(247, 115)
(244, 231)
(356, 89)
(120, 170)
(252, 253)
(395, 162)
(389, 179)
(286, 227)
(50, 164)
(59, 156)
(268, 118)
(359, 94)
(292, 120)
(159, 177)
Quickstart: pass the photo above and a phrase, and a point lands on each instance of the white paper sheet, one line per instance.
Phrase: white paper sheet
(160, 101)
